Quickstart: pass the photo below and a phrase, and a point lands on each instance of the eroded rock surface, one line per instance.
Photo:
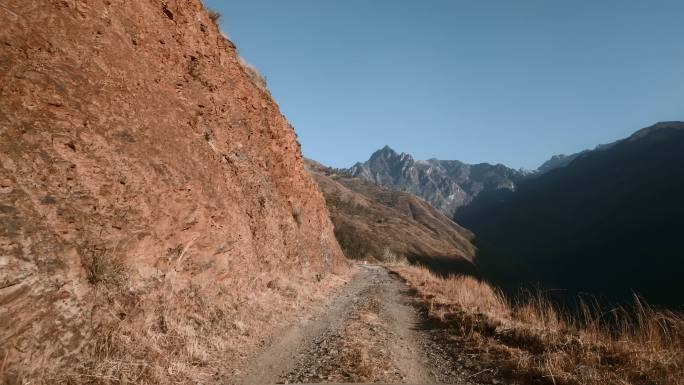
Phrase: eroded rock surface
(130, 132)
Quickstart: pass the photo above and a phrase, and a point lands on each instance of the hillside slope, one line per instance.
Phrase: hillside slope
(562, 160)
(375, 222)
(607, 223)
(150, 191)
(446, 184)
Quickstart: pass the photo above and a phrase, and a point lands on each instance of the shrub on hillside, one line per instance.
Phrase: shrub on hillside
(352, 245)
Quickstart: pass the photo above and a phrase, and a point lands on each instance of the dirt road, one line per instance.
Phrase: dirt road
(370, 332)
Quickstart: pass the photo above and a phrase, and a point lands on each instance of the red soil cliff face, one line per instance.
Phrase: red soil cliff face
(129, 131)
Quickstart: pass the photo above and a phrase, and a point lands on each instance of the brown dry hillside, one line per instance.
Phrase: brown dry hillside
(375, 222)
(149, 190)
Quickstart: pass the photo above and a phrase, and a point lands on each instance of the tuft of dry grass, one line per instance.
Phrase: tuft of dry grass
(391, 258)
(254, 75)
(297, 214)
(102, 268)
(215, 16)
(533, 341)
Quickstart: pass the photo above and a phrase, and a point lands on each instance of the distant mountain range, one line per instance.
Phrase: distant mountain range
(446, 184)
(450, 185)
(608, 222)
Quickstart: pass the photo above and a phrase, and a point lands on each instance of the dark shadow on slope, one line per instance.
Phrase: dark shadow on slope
(609, 223)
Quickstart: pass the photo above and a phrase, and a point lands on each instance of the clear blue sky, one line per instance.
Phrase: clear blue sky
(480, 81)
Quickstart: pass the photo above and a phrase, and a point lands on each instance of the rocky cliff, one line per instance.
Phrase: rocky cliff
(143, 168)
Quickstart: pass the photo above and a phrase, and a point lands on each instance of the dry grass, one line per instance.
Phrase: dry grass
(169, 330)
(361, 348)
(297, 214)
(353, 247)
(102, 268)
(532, 341)
(215, 16)
(391, 258)
(254, 75)
(364, 354)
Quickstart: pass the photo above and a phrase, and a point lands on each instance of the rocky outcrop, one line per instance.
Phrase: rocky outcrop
(446, 184)
(379, 223)
(135, 150)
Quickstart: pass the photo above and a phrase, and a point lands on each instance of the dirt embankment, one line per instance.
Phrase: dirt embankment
(372, 221)
(144, 175)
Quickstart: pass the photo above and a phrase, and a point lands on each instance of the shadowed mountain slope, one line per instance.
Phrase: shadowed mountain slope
(609, 222)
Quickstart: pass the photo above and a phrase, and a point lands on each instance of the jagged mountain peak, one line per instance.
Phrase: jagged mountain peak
(387, 148)
(446, 184)
(388, 152)
(385, 151)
